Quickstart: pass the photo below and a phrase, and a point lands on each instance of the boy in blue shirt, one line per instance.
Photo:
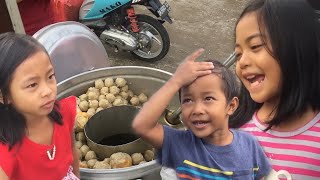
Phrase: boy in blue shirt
(208, 149)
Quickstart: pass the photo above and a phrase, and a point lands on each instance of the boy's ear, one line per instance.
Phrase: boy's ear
(1, 97)
(233, 105)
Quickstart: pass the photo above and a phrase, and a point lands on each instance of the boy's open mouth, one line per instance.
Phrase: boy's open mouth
(200, 124)
(255, 79)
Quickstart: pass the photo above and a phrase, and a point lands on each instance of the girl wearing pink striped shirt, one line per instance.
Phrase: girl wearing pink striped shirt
(278, 62)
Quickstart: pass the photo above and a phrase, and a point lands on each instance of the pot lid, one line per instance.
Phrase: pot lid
(73, 48)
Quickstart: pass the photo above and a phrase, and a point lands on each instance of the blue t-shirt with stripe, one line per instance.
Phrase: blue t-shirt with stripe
(193, 158)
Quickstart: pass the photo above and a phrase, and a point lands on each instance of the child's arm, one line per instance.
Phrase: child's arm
(3, 175)
(145, 123)
(75, 164)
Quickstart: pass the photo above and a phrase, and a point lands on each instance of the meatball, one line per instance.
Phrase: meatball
(149, 155)
(83, 97)
(142, 98)
(84, 105)
(78, 144)
(98, 84)
(110, 97)
(117, 102)
(83, 164)
(93, 104)
(107, 160)
(104, 90)
(125, 88)
(93, 89)
(120, 82)
(93, 95)
(120, 160)
(99, 109)
(91, 112)
(80, 137)
(108, 82)
(90, 155)
(84, 149)
(114, 90)
(103, 103)
(137, 158)
(91, 163)
(101, 97)
(130, 93)
(81, 120)
(134, 101)
(124, 95)
(101, 165)
(125, 102)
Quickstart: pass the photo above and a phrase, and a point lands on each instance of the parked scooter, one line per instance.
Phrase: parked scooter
(117, 24)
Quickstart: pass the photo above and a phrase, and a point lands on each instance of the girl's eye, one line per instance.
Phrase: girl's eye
(255, 47)
(51, 76)
(209, 98)
(32, 85)
(184, 101)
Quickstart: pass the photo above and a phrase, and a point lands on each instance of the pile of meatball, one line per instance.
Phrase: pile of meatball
(106, 93)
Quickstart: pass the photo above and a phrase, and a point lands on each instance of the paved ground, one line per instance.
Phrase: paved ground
(197, 23)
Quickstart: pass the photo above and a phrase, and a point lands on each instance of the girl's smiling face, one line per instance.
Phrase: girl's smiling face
(257, 69)
(33, 87)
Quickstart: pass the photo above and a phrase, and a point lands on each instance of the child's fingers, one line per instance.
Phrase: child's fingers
(203, 73)
(205, 65)
(195, 55)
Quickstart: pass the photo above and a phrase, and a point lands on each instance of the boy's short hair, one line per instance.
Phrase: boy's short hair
(230, 85)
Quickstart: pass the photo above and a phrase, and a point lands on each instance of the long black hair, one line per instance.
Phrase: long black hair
(293, 30)
(14, 49)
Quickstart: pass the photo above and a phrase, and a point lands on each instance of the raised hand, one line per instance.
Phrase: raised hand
(189, 69)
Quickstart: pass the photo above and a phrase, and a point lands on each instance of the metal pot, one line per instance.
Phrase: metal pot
(141, 80)
(109, 131)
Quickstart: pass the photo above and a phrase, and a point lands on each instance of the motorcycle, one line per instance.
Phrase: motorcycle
(116, 23)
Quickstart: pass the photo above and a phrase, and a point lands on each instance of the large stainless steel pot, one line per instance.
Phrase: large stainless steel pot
(141, 80)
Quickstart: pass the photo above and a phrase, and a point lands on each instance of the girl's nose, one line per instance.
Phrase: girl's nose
(46, 90)
(244, 61)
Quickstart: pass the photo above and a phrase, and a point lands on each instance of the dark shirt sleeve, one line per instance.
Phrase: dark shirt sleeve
(166, 153)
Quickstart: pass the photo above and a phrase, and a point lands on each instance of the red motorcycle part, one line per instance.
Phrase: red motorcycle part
(133, 20)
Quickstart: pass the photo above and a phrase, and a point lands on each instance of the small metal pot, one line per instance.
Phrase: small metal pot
(109, 131)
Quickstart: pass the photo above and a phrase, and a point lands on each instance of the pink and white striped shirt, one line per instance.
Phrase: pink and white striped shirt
(297, 152)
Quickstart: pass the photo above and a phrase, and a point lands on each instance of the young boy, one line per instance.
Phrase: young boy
(208, 149)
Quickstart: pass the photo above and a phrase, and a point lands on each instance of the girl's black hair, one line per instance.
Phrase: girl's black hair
(14, 49)
(293, 30)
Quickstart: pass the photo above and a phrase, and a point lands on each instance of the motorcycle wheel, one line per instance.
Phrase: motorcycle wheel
(153, 38)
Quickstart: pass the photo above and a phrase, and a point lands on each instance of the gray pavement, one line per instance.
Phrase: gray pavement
(197, 23)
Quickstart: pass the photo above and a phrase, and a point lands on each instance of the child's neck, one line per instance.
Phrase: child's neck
(40, 130)
(265, 114)
(35, 121)
(220, 138)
